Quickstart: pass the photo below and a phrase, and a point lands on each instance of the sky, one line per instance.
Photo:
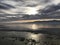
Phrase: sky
(29, 7)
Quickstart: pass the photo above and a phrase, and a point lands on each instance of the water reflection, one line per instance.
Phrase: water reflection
(31, 26)
(34, 26)
(28, 35)
(36, 37)
(28, 38)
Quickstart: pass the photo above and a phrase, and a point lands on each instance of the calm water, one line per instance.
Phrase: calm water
(27, 38)
(32, 26)
(15, 37)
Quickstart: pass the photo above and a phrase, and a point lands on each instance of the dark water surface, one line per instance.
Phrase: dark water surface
(37, 33)
(27, 38)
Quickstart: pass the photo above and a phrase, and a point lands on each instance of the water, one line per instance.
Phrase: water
(26, 35)
(27, 38)
(48, 33)
(32, 26)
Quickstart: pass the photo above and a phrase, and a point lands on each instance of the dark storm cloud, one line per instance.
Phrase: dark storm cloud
(5, 6)
(2, 7)
(17, 0)
(51, 8)
(45, 1)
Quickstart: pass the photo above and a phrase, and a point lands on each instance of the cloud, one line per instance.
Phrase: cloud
(28, 7)
(55, 1)
(5, 6)
(51, 8)
(24, 6)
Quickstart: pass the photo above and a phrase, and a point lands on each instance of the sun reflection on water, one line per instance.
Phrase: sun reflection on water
(34, 27)
(36, 37)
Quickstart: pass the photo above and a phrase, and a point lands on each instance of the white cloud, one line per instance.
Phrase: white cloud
(55, 1)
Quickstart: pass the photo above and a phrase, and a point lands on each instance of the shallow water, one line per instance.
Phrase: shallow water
(27, 38)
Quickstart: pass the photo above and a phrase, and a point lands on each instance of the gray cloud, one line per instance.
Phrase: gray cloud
(51, 8)
(5, 6)
(20, 6)
(14, 7)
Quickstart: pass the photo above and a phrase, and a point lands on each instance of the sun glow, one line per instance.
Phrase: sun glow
(31, 11)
